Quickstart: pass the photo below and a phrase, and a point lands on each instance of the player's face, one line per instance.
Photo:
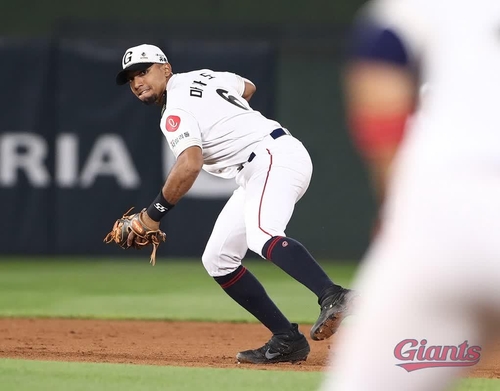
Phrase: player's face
(149, 84)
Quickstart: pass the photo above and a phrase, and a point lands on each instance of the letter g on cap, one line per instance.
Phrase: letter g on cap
(127, 57)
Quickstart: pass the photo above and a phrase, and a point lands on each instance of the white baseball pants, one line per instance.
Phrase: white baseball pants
(262, 205)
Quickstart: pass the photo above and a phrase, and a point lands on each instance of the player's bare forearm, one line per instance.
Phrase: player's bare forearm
(181, 178)
(183, 174)
(249, 90)
(380, 97)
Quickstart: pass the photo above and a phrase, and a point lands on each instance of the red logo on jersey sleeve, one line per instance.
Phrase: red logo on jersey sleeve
(173, 122)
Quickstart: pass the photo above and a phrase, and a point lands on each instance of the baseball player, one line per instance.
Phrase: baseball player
(430, 283)
(209, 125)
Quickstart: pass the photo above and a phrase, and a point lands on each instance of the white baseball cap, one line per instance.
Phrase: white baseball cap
(139, 58)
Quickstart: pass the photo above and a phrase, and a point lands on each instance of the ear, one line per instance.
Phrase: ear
(167, 69)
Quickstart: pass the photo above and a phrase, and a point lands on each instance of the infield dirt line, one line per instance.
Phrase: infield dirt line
(187, 344)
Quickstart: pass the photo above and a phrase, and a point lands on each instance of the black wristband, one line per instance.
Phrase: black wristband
(159, 208)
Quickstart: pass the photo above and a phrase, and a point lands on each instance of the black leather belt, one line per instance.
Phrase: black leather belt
(276, 133)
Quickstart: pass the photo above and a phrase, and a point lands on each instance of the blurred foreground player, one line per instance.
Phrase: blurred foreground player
(430, 283)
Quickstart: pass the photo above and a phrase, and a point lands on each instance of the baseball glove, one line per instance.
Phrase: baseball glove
(144, 236)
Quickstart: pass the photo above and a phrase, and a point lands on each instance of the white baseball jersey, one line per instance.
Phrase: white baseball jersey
(205, 108)
(430, 283)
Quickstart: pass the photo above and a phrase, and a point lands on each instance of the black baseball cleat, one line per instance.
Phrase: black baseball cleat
(292, 347)
(334, 309)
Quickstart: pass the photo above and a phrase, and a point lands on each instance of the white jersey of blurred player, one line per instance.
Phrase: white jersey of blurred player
(205, 108)
(430, 283)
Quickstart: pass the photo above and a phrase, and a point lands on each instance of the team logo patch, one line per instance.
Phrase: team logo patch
(173, 122)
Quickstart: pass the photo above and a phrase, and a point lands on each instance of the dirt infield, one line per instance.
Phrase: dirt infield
(162, 343)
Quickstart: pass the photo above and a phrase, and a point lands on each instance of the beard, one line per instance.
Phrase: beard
(151, 100)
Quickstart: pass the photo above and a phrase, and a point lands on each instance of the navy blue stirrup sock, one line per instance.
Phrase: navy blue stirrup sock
(247, 291)
(293, 258)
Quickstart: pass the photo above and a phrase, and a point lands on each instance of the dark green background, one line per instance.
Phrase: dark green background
(40, 17)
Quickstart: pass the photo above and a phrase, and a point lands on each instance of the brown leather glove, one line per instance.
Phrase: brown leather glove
(142, 235)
